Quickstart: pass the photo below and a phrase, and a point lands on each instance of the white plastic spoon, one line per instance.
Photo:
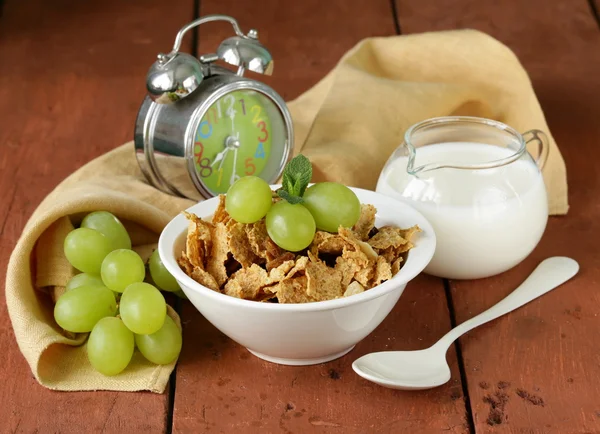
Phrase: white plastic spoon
(424, 369)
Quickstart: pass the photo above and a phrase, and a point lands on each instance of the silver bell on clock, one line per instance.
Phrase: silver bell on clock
(202, 126)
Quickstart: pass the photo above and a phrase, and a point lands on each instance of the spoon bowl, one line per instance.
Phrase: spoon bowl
(414, 370)
(425, 369)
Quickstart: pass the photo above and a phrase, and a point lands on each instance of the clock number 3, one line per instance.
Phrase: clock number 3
(263, 129)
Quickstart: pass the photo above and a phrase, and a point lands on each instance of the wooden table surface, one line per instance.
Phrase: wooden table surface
(71, 80)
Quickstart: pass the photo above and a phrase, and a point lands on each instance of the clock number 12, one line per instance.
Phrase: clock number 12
(230, 99)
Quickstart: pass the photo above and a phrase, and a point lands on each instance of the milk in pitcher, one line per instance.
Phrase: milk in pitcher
(485, 221)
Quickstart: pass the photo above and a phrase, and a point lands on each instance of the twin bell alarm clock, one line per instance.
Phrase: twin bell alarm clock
(202, 126)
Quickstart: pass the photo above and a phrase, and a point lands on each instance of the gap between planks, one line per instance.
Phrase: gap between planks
(593, 8)
(447, 289)
(459, 358)
(172, 385)
(178, 303)
(173, 380)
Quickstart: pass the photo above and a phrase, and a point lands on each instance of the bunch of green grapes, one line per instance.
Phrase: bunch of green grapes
(110, 300)
(292, 221)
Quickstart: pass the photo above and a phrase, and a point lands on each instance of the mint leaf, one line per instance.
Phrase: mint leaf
(296, 176)
(288, 197)
(287, 184)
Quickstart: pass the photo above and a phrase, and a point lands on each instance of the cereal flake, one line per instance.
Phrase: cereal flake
(324, 283)
(365, 222)
(353, 289)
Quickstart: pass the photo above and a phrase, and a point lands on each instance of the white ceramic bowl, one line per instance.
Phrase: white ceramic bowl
(309, 333)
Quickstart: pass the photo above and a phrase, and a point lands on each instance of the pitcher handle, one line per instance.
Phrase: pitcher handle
(543, 145)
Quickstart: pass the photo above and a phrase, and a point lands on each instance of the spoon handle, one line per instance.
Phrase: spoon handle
(549, 274)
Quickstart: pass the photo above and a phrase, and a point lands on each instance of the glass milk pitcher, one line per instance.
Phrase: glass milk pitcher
(479, 187)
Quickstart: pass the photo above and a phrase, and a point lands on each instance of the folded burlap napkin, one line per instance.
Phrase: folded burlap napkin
(353, 119)
(348, 125)
(112, 183)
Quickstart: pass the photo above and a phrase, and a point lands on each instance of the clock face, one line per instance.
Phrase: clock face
(242, 133)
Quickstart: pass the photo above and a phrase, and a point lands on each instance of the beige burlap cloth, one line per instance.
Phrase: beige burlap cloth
(348, 125)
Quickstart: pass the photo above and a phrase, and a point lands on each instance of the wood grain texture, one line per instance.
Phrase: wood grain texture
(306, 38)
(71, 80)
(549, 350)
(221, 387)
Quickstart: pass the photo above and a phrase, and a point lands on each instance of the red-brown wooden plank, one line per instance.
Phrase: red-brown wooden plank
(306, 39)
(223, 388)
(549, 348)
(72, 76)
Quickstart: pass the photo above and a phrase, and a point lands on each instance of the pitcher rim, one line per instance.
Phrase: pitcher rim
(457, 119)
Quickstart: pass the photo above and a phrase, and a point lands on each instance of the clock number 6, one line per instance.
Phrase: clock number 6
(263, 128)
(249, 165)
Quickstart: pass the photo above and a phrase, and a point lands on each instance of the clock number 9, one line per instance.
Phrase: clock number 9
(198, 151)
(204, 163)
(263, 128)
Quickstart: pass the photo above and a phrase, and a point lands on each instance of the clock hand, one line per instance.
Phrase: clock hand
(223, 160)
(220, 157)
(231, 142)
(231, 113)
(233, 174)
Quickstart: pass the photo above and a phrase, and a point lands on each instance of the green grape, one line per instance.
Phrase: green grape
(291, 227)
(79, 309)
(163, 346)
(110, 226)
(86, 248)
(121, 268)
(143, 308)
(161, 276)
(332, 205)
(83, 279)
(110, 346)
(248, 199)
